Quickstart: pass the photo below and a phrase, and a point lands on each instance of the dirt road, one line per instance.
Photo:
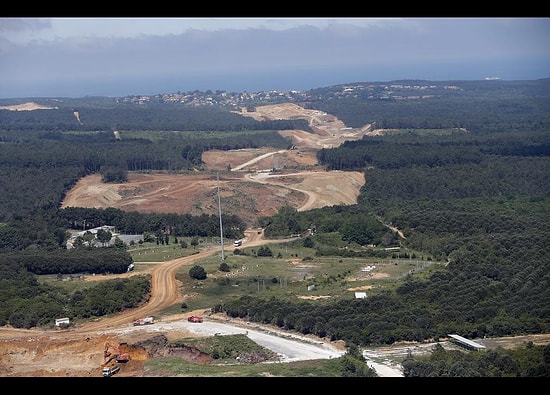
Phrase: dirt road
(60, 352)
(78, 351)
(195, 194)
(321, 189)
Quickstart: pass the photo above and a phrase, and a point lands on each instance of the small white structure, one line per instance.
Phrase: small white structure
(311, 287)
(61, 321)
(360, 295)
(466, 343)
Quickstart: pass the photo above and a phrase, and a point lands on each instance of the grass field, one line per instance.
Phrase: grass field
(292, 272)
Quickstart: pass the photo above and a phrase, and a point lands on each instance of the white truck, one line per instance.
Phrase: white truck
(109, 371)
(144, 321)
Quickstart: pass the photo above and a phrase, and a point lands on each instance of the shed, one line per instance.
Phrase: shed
(61, 321)
(466, 343)
(360, 295)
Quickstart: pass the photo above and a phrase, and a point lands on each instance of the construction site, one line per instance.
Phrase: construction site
(113, 356)
(106, 347)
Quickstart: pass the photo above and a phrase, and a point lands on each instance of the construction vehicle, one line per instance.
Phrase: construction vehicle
(144, 321)
(112, 352)
(109, 371)
(195, 318)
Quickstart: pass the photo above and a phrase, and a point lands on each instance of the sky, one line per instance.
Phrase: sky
(112, 56)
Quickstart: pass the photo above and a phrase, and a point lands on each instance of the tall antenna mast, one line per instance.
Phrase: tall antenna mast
(220, 213)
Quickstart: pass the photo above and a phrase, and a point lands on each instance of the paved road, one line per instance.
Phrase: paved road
(257, 159)
(385, 370)
(290, 347)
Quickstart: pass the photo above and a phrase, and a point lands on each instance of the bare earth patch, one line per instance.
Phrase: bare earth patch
(363, 288)
(314, 297)
(260, 182)
(252, 183)
(248, 197)
(30, 106)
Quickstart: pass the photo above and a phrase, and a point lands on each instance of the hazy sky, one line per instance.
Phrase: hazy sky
(76, 57)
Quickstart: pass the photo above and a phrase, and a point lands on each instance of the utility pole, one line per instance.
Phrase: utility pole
(220, 213)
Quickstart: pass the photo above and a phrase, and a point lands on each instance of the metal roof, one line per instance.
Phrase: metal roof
(467, 341)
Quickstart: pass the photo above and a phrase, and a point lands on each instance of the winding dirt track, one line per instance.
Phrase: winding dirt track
(164, 293)
(328, 131)
(164, 287)
(78, 351)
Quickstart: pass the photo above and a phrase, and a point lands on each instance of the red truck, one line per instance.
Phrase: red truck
(195, 318)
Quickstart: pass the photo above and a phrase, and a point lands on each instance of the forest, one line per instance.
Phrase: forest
(464, 175)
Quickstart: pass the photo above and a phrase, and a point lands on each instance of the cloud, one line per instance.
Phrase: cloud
(113, 56)
(23, 25)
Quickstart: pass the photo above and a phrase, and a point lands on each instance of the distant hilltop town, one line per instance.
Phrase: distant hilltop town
(374, 91)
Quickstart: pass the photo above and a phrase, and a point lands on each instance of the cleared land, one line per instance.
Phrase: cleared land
(259, 183)
(247, 190)
(250, 190)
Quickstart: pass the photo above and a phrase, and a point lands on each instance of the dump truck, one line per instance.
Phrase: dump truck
(109, 371)
(195, 318)
(144, 321)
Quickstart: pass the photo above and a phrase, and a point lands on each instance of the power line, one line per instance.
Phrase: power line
(220, 213)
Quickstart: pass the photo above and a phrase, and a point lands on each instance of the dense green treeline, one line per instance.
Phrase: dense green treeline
(128, 118)
(473, 115)
(48, 230)
(514, 227)
(352, 225)
(527, 361)
(33, 304)
(412, 149)
(477, 106)
(481, 206)
(494, 176)
(74, 261)
(179, 225)
(60, 163)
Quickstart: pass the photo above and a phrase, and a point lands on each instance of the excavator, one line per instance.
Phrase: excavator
(112, 352)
